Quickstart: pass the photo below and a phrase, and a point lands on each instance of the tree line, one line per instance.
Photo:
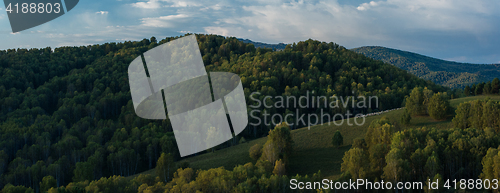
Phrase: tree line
(267, 174)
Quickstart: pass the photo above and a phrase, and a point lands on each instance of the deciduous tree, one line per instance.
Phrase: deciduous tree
(165, 167)
(439, 106)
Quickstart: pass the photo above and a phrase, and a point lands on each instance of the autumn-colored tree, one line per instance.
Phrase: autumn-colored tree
(279, 168)
(47, 183)
(255, 151)
(165, 167)
(144, 179)
(270, 152)
(491, 165)
(279, 144)
(9, 188)
(359, 143)
(355, 162)
(379, 131)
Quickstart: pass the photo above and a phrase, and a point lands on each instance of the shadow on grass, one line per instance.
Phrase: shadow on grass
(310, 161)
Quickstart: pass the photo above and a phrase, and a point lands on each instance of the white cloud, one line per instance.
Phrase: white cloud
(213, 7)
(295, 21)
(89, 36)
(151, 4)
(217, 30)
(156, 4)
(91, 20)
(183, 4)
(371, 22)
(434, 15)
(37, 31)
(163, 21)
(457, 59)
(366, 6)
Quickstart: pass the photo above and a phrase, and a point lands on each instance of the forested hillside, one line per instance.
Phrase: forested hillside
(446, 73)
(279, 46)
(68, 112)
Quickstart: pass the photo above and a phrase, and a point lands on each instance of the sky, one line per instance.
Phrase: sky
(455, 30)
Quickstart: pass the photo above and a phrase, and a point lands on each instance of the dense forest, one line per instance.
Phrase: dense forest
(446, 73)
(468, 150)
(66, 113)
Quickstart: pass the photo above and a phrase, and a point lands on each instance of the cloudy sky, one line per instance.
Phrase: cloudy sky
(457, 30)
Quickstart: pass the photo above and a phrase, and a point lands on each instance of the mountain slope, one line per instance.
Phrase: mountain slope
(279, 46)
(67, 112)
(446, 73)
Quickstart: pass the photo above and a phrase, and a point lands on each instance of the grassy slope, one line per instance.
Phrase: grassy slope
(313, 150)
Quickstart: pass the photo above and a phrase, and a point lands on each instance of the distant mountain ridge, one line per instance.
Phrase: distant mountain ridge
(279, 46)
(446, 73)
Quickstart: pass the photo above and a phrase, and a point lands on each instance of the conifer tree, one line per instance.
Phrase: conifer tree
(337, 139)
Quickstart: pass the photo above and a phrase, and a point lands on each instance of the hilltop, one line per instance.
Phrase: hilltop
(446, 73)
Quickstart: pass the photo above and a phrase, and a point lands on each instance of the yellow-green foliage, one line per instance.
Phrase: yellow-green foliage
(415, 102)
(279, 144)
(165, 167)
(279, 168)
(255, 151)
(439, 106)
(355, 162)
(491, 165)
(478, 114)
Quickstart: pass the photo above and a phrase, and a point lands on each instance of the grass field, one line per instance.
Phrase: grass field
(313, 150)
